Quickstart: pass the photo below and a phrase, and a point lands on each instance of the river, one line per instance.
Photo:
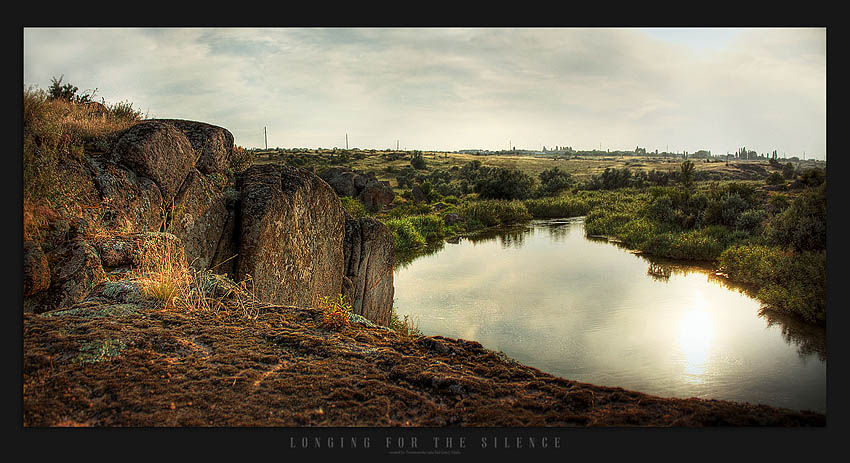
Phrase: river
(588, 310)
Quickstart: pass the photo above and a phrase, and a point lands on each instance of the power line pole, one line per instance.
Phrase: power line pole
(266, 137)
(346, 141)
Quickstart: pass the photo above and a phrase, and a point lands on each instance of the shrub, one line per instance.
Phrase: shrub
(405, 326)
(553, 181)
(802, 226)
(751, 221)
(353, 206)
(502, 183)
(417, 161)
(751, 263)
(335, 312)
(431, 227)
(789, 282)
(611, 179)
(405, 234)
(788, 171)
(775, 178)
(241, 159)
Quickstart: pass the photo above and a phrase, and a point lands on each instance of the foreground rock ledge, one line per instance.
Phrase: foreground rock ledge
(127, 362)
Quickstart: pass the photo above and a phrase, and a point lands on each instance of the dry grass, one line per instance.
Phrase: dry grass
(165, 276)
(55, 136)
(405, 326)
(163, 272)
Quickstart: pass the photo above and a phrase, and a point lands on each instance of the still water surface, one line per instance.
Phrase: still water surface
(588, 310)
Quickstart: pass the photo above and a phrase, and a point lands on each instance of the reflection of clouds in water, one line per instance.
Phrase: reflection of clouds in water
(567, 304)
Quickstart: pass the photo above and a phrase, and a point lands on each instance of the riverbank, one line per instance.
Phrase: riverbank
(138, 364)
(774, 243)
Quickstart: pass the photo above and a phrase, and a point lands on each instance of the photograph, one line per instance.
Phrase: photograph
(423, 240)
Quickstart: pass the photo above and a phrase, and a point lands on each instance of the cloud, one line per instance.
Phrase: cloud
(460, 88)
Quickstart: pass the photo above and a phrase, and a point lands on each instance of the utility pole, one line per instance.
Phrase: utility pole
(396, 145)
(346, 141)
(266, 137)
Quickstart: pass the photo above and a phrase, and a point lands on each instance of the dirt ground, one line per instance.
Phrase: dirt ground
(141, 365)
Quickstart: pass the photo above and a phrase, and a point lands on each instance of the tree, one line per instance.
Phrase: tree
(67, 92)
(417, 161)
(553, 180)
(57, 91)
(686, 175)
(502, 183)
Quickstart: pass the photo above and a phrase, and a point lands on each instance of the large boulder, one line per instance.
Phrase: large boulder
(373, 193)
(344, 184)
(213, 144)
(132, 203)
(376, 195)
(75, 272)
(158, 151)
(369, 260)
(198, 218)
(291, 235)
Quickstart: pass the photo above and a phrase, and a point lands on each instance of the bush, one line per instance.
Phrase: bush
(241, 159)
(405, 234)
(612, 179)
(501, 183)
(335, 312)
(775, 178)
(789, 282)
(802, 226)
(751, 221)
(353, 206)
(417, 161)
(431, 227)
(553, 181)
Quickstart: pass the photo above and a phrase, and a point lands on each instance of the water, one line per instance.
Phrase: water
(587, 310)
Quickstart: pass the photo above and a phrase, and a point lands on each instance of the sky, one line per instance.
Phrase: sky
(461, 88)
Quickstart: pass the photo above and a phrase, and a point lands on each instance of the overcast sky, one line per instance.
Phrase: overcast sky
(450, 89)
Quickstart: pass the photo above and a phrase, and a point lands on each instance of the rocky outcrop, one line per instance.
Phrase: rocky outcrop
(369, 260)
(213, 144)
(282, 227)
(133, 203)
(291, 235)
(127, 250)
(159, 152)
(198, 217)
(75, 271)
(373, 193)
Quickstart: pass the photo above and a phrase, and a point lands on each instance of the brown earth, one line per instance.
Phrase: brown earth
(109, 362)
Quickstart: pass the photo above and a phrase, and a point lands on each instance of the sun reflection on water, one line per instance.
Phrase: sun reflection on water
(695, 333)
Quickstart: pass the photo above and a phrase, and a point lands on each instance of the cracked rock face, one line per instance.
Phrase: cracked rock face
(282, 227)
(158, 151)
(213, 144)
(369, 261)
(291, 236)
